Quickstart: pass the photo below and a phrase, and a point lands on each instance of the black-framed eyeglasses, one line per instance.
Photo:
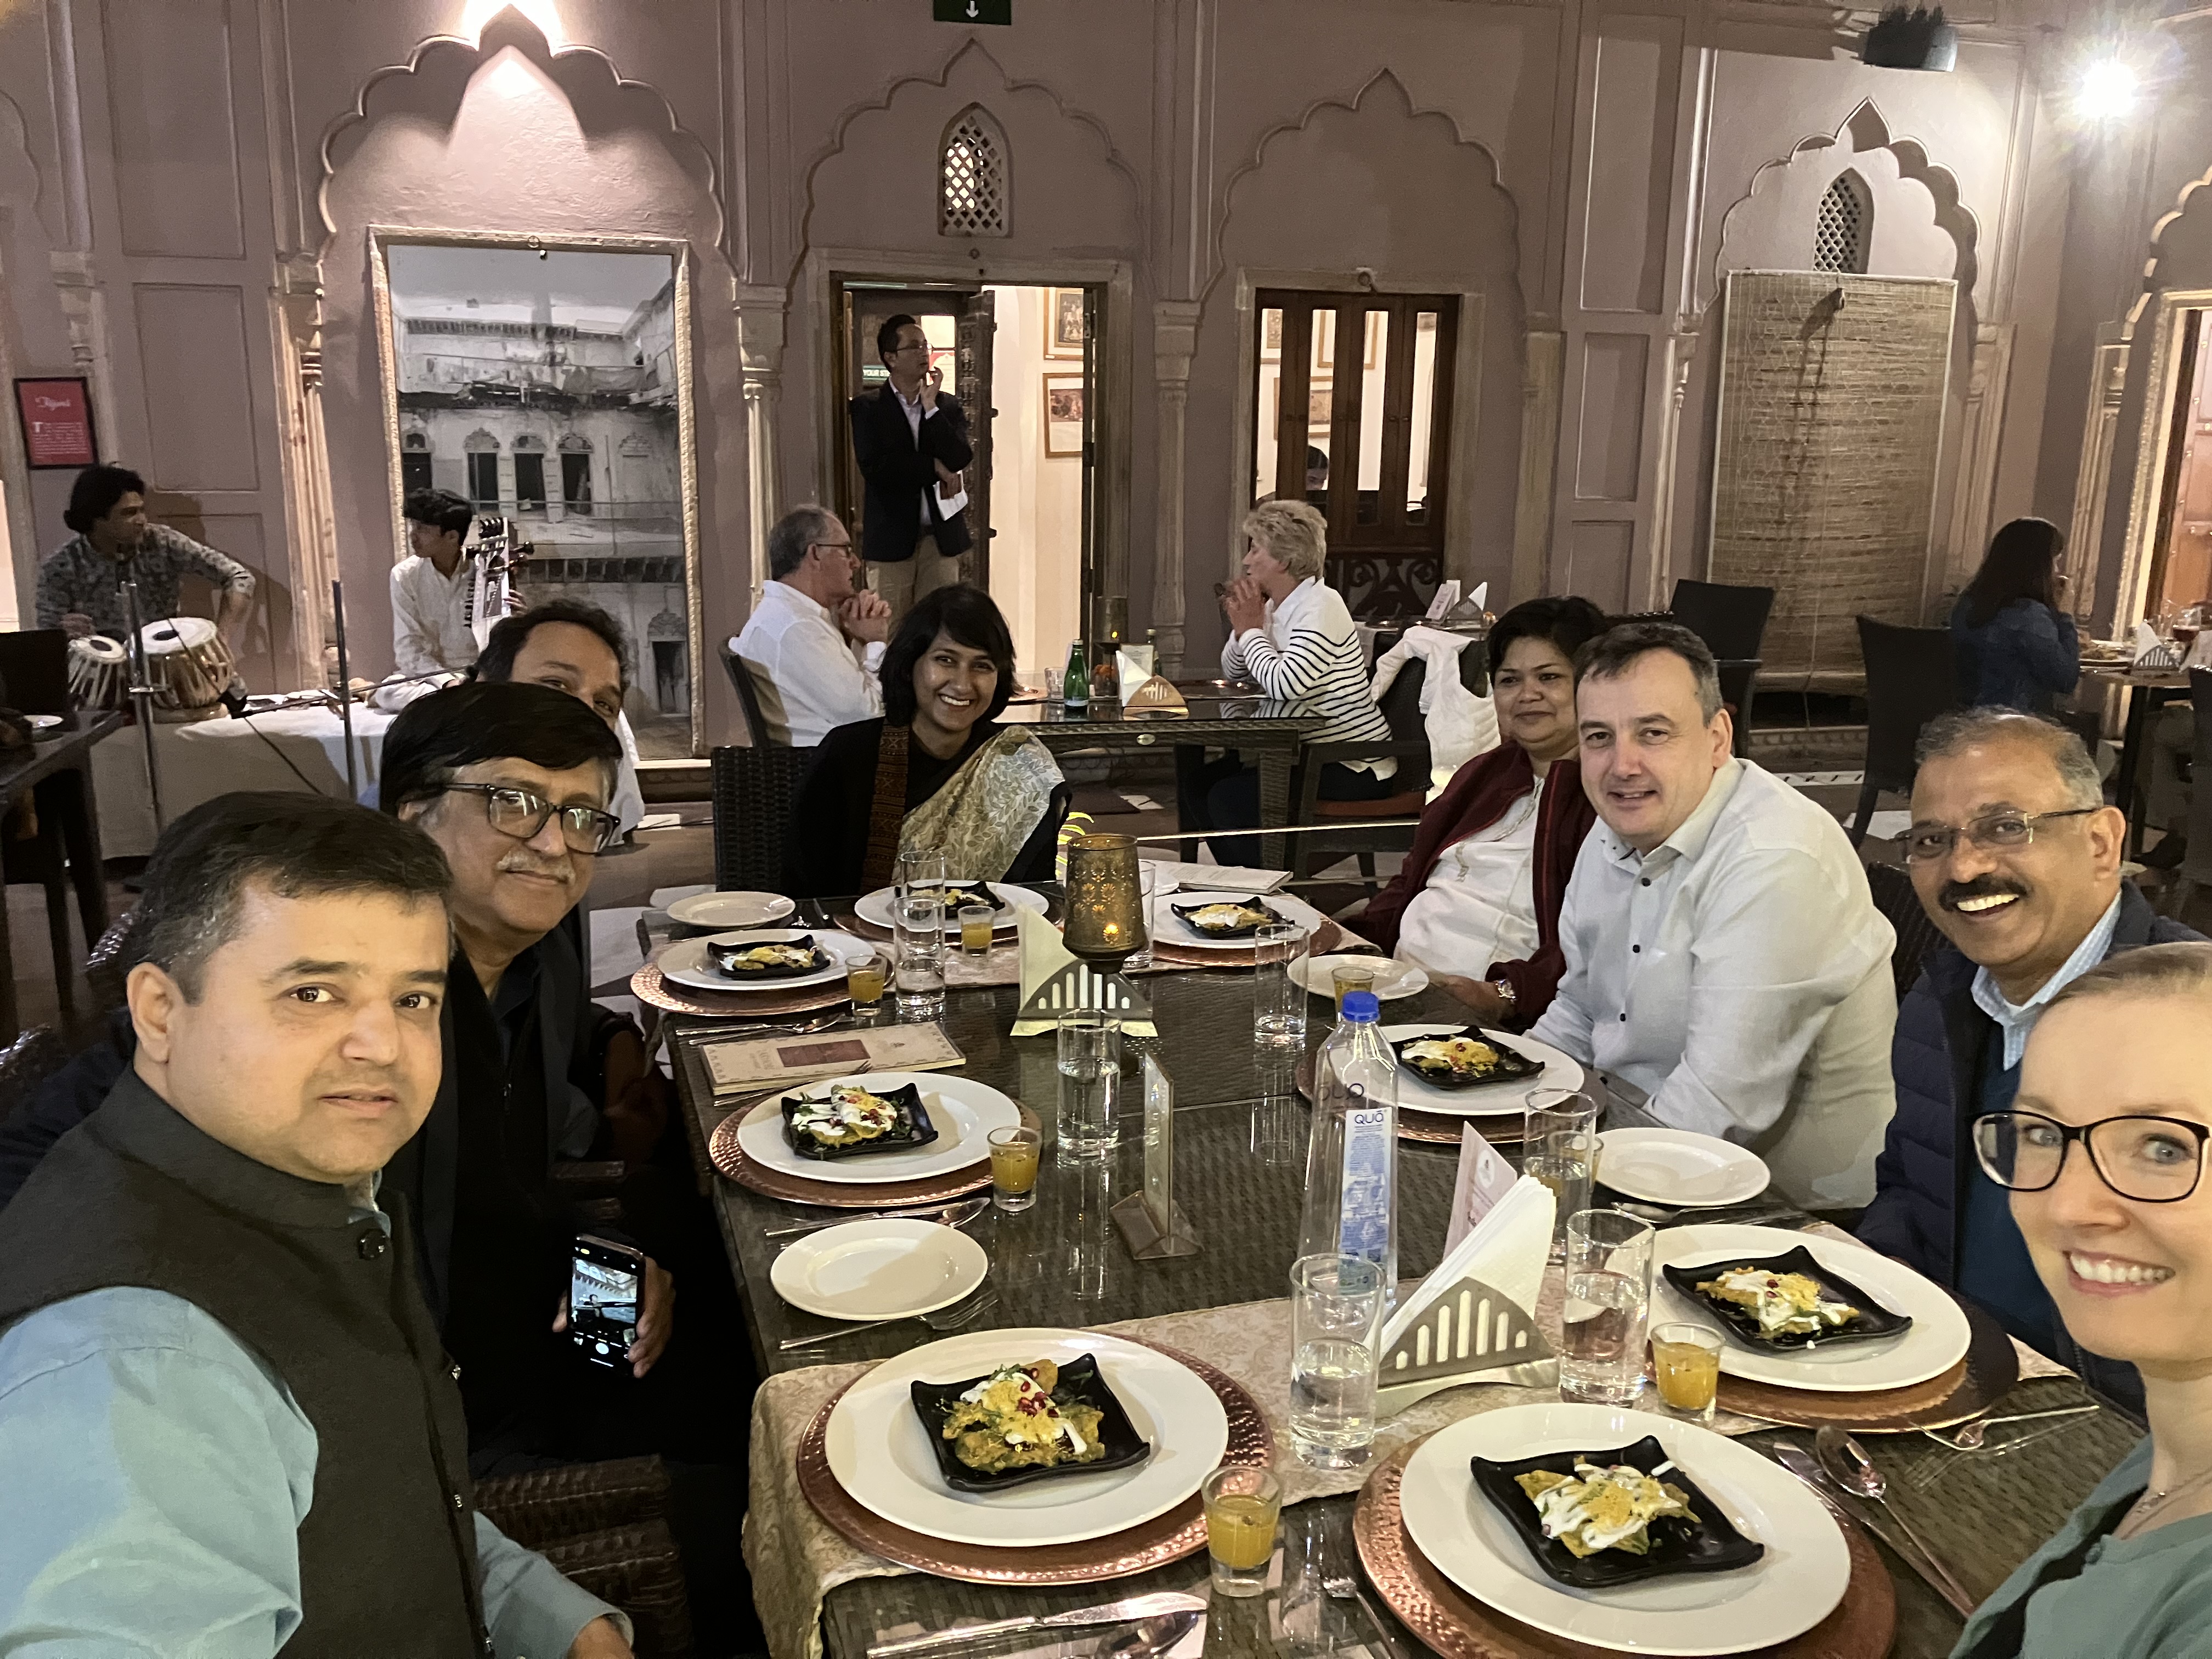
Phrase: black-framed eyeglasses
(1925, 844)
(2151, 1160)
(522, 814)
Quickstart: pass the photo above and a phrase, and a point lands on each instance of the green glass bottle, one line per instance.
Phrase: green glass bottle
(1075, 689)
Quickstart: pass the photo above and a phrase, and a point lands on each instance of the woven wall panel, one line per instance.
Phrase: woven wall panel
(1824, 482)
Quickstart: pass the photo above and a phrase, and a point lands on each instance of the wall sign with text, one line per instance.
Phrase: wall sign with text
(56, 421)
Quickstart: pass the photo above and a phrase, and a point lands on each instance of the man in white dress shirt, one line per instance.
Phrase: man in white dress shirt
(813, 645)
(430, 587)
(1723, 953)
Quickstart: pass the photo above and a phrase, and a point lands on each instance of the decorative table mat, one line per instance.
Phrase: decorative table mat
(1456, 1625)
(722, 1147)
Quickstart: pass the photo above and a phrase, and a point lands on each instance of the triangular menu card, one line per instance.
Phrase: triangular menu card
(1475, 1318)
(1053, 982)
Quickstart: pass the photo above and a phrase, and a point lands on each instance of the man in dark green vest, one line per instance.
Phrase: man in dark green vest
(227, 1423)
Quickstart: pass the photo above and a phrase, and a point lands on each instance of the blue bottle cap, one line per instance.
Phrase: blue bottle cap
(1361, 1006)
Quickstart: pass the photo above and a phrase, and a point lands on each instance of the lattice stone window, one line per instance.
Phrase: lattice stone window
(972, 189)
(1844, 226)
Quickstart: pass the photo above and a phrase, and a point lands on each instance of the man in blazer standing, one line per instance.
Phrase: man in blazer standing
(911, 441)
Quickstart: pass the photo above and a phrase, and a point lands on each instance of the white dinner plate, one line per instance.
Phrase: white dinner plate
(964, 1112)
(1168, 928)
(880, 1453)
(686, 964)
(1393, 978)
(875, 908)
(1937, 1340)
(44, 726)
(880, 1269)
(730, 910)
(1786, 1591)
(1490, 1099)
(1679, 1167)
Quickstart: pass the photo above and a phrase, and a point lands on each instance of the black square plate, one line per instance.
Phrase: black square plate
(723, 956)
(1079, 1382)
(1244, 931)
(914, 1117)
(1513, 1066)
(959, 893)
(1875, 1321)
(1708, 1543)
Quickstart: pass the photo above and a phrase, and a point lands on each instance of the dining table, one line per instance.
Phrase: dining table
(2142, 693)
(1239, 1140)
(57, 773)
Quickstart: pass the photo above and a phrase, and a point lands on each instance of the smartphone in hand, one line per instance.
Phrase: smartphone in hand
(605, 1281)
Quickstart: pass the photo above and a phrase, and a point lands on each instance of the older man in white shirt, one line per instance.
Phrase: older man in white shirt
(813, 644)
(1723, 953)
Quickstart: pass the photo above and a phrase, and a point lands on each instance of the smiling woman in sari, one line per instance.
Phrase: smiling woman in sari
(936, 771)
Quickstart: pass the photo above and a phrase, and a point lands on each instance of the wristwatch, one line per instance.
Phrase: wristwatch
(1512, 998)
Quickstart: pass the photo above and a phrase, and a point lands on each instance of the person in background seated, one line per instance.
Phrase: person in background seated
(217, 1374)
(2016, 647)
(2103, 1155)
(1477, 901)
(812, 645)
(2016, 859)
(432, 587)
(578, 649)
(80, 583)
(1291, 634)
(910, 442)
(937, 771)
(1723, 953)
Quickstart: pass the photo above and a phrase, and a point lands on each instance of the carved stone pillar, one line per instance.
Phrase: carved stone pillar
(761, 308)
(2108, 380)
(1980, 431)
(1533, 505)
(1681, 347)
(297, 300)
(84, 308)
(1175, 340)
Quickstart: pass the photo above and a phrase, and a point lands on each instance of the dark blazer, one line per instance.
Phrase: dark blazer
(898, 472)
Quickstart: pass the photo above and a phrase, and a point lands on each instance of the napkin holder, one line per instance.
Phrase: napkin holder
(2153, 654)
(1473, 1320)
(1055, 983)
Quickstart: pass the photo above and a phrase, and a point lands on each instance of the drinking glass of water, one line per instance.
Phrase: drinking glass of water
(1089, 1083)
(918, 972)
(1148, 882)
(1278, 1001)
(1559, 1147)
(1608, 1303)
(1336, 1312)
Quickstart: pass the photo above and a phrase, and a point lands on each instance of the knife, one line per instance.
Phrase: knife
(950, 1215)
(1800, 1462)
(1135, 1607)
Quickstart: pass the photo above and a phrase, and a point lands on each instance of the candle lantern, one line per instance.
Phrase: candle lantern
(1105, 900)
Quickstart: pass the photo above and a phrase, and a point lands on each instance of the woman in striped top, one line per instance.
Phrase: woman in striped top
(1294, 636)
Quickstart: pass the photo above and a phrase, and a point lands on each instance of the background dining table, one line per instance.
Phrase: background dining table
(2142, 694)
(1241, 1132)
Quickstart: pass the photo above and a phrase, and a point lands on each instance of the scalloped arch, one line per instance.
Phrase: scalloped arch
(1867, 128)
(941, 80)
(512, 29)
(1352, 105)
(2184, 201)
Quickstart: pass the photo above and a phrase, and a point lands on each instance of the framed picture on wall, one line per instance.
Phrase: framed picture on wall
(1063, 322)
(1063, 415)
(1319, 395)
(55, 415)
(1271, 336)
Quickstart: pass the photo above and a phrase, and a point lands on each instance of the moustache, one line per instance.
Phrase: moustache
(1979, 887)
(523, 865)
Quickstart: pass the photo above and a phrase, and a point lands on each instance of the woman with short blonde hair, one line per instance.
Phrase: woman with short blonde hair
(1293, 635)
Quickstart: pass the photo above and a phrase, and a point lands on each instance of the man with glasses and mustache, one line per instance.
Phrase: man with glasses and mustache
(2016, 859)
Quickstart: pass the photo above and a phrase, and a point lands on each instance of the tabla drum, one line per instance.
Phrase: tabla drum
(98, 671)
(187, 664)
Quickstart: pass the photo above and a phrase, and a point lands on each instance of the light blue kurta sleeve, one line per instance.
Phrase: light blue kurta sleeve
(172, 1470)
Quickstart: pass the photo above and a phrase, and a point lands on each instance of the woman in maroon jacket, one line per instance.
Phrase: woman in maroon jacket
(1477, 901)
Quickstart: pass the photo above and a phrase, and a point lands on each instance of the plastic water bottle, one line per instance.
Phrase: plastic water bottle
(1351, 1162)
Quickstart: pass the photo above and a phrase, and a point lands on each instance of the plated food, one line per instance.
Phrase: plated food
(1026, 1420)
(1225, 918)
(850, 1120)
(1786, 1301)
(1464, 1059)
(961, 1111)
(1595, 1519)
(953, 894)
(878, 908)
(769, 959)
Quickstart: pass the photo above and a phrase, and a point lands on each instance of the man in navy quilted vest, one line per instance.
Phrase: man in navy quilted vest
(2017, 859)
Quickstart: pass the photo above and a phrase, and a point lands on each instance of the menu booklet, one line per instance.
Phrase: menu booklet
(737, 1064)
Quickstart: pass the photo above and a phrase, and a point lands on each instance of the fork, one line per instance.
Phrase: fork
(944, 1319)
(1969, 1437)
(1347, 1589)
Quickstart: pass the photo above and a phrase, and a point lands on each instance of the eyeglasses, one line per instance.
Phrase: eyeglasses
(2152, 1160)
(520, 813)
(911, 345)
(1924, 845)
(834, 547)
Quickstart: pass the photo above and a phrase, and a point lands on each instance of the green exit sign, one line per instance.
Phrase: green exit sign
(972, 11)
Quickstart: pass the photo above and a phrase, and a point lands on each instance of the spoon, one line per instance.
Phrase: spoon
(1847, 1464)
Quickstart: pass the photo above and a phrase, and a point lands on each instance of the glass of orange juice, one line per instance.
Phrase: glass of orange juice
(1685, 1361)
(1243, 1506)
(864, 981)
(975, 921)
(1014, 1167)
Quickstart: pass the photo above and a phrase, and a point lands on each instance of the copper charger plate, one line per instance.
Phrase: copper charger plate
(1430, 1128)
(1970, 1388)
(1458, 1626)
(1323, 939)
(1166, 1538)
(647, 986)
(722, 1148)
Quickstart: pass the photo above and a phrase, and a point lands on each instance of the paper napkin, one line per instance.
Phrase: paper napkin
(1054, 982)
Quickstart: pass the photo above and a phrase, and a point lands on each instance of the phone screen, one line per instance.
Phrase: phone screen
(603, 1287)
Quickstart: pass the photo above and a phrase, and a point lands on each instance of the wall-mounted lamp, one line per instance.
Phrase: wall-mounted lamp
(2108, 90)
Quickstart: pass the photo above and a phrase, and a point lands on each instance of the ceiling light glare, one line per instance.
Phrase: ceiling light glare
(2108, 90)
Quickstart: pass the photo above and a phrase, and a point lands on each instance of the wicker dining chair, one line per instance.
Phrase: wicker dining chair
(758, 732)
(753, 792)
(1911, 678)
(1917, 935)
(26, 1063)
(605, 1527)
